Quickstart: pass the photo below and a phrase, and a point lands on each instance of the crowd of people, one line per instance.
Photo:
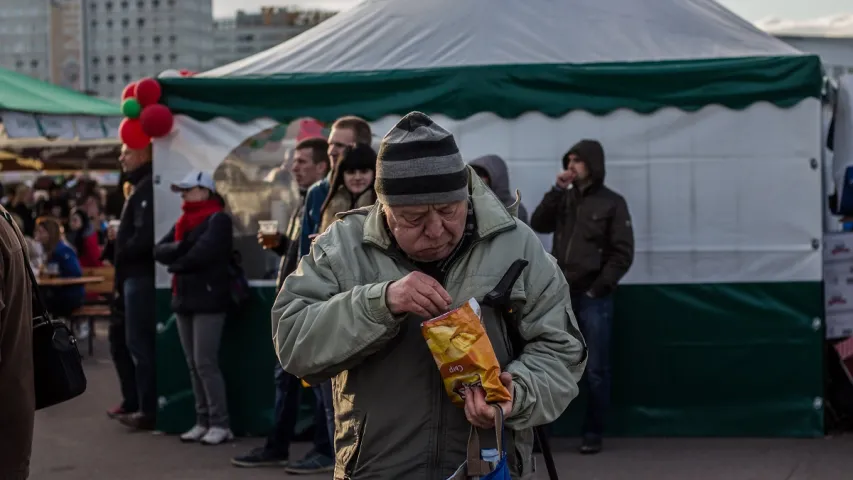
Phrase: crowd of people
(379, 239)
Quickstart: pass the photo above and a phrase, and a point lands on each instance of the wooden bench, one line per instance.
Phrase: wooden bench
(105, 291)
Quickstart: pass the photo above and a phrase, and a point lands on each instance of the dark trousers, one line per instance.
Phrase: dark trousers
(322, 440)
(287, 396)
(124, 365)
(595, 319)
(141, 335)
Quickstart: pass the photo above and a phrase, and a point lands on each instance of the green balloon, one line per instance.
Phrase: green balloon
(130, 108)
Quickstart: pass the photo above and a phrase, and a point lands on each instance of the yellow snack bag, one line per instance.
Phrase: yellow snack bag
(464, 354)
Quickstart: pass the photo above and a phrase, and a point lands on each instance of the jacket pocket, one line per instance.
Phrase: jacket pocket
(521, 455)
(574, 331)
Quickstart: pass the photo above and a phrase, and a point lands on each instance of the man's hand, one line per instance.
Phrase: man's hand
(565, 178)
(261, 241)
(481, 414)
(417, 293)
(111, 233)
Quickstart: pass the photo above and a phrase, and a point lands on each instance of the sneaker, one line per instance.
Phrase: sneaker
(217, 435)
(260, 457)
(313, 463)
(117, 411)
(139, 421)
(194, 434)
(590, 446)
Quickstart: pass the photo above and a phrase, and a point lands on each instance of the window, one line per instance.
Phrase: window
(140, 4)
(171, 3)
(124, 5)
(125, 59)
(125, 41)
(96, 79)
(96, 60)
(157, 58)
(111, 78)
(110, 60)
(94, 24)
(126, 78)
(108, 6)
(19, 64)
(125, 23)
(155, 3)
(109, 24)
(173, 39)
(34, 63)
(142, 59)
(93, 6)
(140, 22)
(156, 39)
(173, 57)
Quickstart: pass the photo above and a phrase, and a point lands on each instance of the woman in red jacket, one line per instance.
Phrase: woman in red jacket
(84, 239)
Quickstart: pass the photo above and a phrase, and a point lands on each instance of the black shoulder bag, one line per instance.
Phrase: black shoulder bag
(58, 365)
(499, 299)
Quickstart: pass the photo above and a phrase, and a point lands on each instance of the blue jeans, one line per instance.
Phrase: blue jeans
(287, 394)
(141, 330)
(595, 319)
(324, 415)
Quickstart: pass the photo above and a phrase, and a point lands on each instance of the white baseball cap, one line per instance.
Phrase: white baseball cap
(196, 178)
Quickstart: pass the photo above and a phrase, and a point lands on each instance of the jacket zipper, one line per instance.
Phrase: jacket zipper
(572, 236)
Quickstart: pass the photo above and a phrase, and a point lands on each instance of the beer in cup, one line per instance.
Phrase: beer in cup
(269, 232)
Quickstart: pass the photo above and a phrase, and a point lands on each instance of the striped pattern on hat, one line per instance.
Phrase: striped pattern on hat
(419, 164)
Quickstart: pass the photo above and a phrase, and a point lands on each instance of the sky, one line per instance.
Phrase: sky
(752, 10)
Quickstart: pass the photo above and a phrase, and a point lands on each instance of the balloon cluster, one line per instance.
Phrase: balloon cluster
(146, 119)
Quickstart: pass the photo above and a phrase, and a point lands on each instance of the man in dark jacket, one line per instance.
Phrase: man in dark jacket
(594, 246)
(17, 390)
(134, 268)
(310, 164)
(492, 170)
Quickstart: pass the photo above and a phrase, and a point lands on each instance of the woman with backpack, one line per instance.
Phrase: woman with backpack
(198, 252)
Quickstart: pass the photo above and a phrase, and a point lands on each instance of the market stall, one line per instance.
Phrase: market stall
(56, 128)
(709, 125)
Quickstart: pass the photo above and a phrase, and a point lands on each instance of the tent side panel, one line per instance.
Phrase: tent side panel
(737, 359)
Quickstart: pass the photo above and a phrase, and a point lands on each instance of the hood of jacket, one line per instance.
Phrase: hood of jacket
(498, 173)
(592, 154)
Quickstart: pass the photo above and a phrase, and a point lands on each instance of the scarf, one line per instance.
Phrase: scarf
(195, 213)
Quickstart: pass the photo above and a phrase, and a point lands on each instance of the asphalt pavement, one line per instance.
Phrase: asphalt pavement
(76, 441)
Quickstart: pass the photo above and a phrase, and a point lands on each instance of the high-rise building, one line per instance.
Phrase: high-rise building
(100, 46)
(24, 37)
(250, 33)
(130, 39)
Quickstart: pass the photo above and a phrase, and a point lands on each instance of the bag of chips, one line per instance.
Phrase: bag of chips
(464, 354)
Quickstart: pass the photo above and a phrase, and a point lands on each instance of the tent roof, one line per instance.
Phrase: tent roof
(461, 57)
(414, 34)
(21, 93)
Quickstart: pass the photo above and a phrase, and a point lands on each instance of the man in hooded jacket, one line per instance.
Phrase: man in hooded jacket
(492, 170)
(594, 247)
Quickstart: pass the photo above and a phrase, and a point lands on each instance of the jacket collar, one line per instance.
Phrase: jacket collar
(492, 216)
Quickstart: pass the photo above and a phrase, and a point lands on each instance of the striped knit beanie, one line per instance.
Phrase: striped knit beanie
(419, 164)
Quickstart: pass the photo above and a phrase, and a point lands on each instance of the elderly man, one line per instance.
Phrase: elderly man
(351, 312)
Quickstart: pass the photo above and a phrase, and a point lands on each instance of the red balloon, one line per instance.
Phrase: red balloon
(147, 91)
(157, 120)
(129, 91)
(131, 134)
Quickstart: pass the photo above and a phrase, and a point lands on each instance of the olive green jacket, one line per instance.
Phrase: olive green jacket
(393, 417)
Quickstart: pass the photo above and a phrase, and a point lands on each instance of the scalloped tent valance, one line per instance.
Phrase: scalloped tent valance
(459, 58)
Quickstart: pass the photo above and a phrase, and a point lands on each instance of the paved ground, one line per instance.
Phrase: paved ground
(75, 441)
